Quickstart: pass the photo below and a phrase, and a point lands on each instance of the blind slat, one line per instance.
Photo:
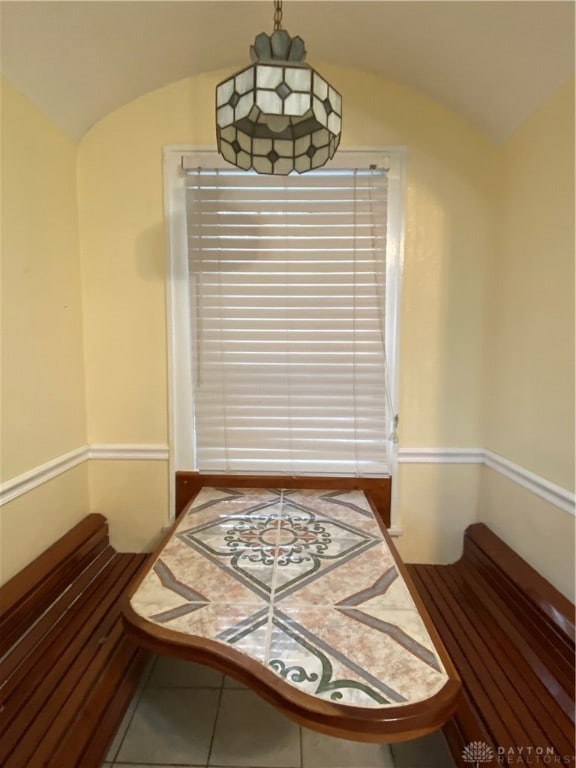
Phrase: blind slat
(287, 295)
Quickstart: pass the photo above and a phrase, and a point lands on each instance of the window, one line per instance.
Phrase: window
(284, 304)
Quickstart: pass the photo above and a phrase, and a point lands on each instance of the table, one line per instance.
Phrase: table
(301, 595)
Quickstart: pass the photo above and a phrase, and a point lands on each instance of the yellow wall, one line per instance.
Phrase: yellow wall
(35, 520)
(133, 495)
(124, 254)
(448, 240)
(437, 503)
(530, 310)
(530, 337)
(539, 531)
(487, 285)
(42, 392)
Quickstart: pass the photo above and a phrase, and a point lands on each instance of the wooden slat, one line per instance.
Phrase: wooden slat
(22, 683)
(91, 670)
(55, 717)
(464, 728)
(53, 615)
(30, 578)
(543, 682)
(55, 667)
(28, 594)
(558, 610)
(505, 685)
(512, 674)
(484, 673)
(511, 636)
(92, 732)
(450, 635)
(547, 635)
(551, 645)
(69, 669)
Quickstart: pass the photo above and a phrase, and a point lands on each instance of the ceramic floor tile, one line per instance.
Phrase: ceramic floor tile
(117, 741)
(321, 751)
(428, 752)
(169, 672)
(250, 732)
(171, 726)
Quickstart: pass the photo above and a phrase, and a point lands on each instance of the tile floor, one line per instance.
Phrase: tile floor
(185, 714)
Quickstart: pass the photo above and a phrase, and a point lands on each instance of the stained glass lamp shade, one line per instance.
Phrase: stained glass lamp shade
(278, 115)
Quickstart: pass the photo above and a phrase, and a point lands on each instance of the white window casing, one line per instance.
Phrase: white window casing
(283, 308)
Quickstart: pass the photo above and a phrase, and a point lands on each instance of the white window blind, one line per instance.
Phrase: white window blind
(287, 279)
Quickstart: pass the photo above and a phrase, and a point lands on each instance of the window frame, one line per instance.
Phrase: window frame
(180, 373)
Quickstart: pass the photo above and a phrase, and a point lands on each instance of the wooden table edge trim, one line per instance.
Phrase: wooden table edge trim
(369, 724)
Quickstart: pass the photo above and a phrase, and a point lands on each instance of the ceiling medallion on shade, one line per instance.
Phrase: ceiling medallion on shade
(277, 115)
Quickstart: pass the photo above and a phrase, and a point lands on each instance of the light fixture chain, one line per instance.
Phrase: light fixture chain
(277, 15)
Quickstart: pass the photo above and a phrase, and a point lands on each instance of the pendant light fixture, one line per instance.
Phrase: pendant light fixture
(277, 115)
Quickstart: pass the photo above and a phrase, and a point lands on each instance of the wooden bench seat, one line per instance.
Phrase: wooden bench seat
(67, 669)
(511, 637)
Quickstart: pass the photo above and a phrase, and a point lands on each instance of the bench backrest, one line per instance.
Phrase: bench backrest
(31, 592)
(535, 615)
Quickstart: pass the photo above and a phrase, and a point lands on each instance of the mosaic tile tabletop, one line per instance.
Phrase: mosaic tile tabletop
(303, 582)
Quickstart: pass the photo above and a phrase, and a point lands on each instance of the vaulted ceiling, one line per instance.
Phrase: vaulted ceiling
(493, 62)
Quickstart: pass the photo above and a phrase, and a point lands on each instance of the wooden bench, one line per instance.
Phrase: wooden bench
(510, 634)
(67, 669)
